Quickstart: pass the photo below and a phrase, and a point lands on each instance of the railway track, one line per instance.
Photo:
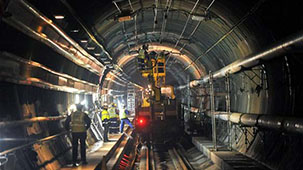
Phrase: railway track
(129, 154)
(171, 158)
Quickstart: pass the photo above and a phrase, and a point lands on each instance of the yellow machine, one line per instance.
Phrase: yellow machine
(156, 69)
(158, 93)
(158, 111)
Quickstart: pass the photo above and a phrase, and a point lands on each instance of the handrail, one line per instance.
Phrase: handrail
(34, 142)
(32, 120)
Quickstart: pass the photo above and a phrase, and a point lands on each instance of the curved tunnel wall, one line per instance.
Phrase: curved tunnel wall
(268, 23)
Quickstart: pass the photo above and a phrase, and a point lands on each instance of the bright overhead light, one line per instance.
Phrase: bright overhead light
(106, 62)
(83, 41)
(59, 16)
(198, 18)
(75, 30)
(91, 48)
(98, 54)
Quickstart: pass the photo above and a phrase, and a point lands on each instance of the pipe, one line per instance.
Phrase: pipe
(266, 121)
(252, 60)
(32, 120)
(273, 122)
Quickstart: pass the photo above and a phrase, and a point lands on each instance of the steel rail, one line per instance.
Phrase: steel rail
(180, 150)
(177, 160)
(144, 160)
(275, 50)
(112, 152)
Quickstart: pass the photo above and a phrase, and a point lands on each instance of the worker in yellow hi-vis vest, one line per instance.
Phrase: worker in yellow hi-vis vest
(105, 122)
(113, 119)
(79, 123)
(141, 59)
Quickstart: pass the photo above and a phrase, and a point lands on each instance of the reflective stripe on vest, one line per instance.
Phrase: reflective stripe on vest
(77, 122)
(112, 112)
(122, 114)
(104, 115)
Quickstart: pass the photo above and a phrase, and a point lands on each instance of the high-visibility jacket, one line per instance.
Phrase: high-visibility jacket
(141, 54)
(78, 122)
(105, 115)
(112, 112)
(122, 114)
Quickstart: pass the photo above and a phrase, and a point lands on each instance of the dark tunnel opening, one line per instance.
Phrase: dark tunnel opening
(50, 63)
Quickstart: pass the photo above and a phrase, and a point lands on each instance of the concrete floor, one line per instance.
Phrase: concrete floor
(95, 154)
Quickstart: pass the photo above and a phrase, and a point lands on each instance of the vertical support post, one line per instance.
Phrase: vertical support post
(187, 113)
(188, 95)
(212, 110)
(229, 125)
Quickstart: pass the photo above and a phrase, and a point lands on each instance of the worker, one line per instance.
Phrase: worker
(141, 59)
(124, 119)
(113, 119)
(79, 122)
(105, 122)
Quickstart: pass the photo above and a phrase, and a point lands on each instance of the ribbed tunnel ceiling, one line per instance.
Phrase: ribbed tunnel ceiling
(178, 31)
(224, 35)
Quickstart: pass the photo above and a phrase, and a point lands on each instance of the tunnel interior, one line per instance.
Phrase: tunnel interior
(49, 63)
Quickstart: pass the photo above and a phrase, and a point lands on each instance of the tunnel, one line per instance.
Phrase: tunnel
(234, 67)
